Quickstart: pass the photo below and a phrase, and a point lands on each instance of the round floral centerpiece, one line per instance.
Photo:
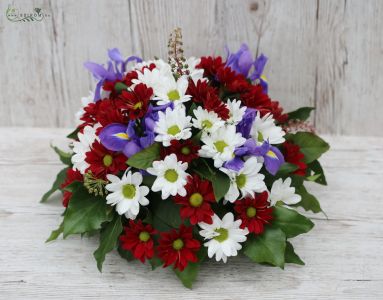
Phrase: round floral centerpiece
(174, 163)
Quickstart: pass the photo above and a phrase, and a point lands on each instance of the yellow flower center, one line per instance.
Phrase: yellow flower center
(196, 200)
(220, 146)
(173, 130)
(251, 212)
(107, 160)
(178, 244)
(144, 236)
(171, 175)
(207, 124)
(129, 191)
(174, 95)
(240, 180)
(223, 234)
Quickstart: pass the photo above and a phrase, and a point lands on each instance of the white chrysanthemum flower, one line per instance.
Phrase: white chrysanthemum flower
(248, 180)
(171, 90)
(264, 129)
(127, 193)
(84, 103)
(171, 176)
(153, 78)
(208, 121)
(172, 125)
(194, 73)
(82, 146)
(160, 64)
(220, 145)
(236, 111)
(224, 236)
(283, 191)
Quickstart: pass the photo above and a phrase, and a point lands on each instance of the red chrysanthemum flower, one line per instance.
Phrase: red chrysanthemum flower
(103, 161)
(231, 80)
(71, 176)
(186, 151)
(136, 102)
(254, 97)
(195, 206)
(138, 239)
(178, 247)
(294, 156)
(109, 111)
(208, 96)
(210, 65)
(254, 212)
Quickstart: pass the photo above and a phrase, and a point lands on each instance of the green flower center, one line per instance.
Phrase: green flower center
(240, 180)
(251, 212)
(185, 150)
(220, 146)
(171, 175)
(207, 124)
(260, 136)
(144, 236)
(223, 234)
(178, 244)
(196, 200)
(173, 130)
(174, 95)
(129, 191)
(107, 160)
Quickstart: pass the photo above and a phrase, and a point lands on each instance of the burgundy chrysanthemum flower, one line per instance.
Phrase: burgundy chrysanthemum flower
(254, 212)
(136, 102)
(210, 65)
(138, 239)
(103, 161)
(195, 206)
(232, 81)
(186, 151)
(178, 247)
(294, 156)
(208, 96)
(254, 97)
(71, 176)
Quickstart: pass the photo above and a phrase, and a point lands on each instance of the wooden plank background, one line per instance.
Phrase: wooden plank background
(322, 53)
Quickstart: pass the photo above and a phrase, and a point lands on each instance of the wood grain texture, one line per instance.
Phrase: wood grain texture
(323, 53)
(343, 254)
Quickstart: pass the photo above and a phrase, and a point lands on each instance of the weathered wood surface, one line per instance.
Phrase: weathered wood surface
(323, 53)
(343, 254)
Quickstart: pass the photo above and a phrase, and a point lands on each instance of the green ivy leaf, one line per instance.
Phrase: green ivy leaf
(286, 169)
(312, 146)
(291, 257)
(165, 214)
(65, 157)
(316, 167)
(85, 212)
(73, 134)
(220, 181)
(61, 176)
(155, 262)
(291, 222)
(221, 184)
(144, 159)
(302, 113)
(308, 202)
(108, 240)
(56, 233)
(268, 247)
(189, 274)
(126, 254)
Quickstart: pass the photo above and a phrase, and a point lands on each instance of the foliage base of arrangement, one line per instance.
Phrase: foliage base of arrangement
(174, 163)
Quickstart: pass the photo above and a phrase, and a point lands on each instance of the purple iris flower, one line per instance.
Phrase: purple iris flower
(244, 127)
(236, 164)
(120, 137)
(273, 158)
(114, 70)
(242, 61)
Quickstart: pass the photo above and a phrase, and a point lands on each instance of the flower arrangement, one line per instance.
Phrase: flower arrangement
(177, 162)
